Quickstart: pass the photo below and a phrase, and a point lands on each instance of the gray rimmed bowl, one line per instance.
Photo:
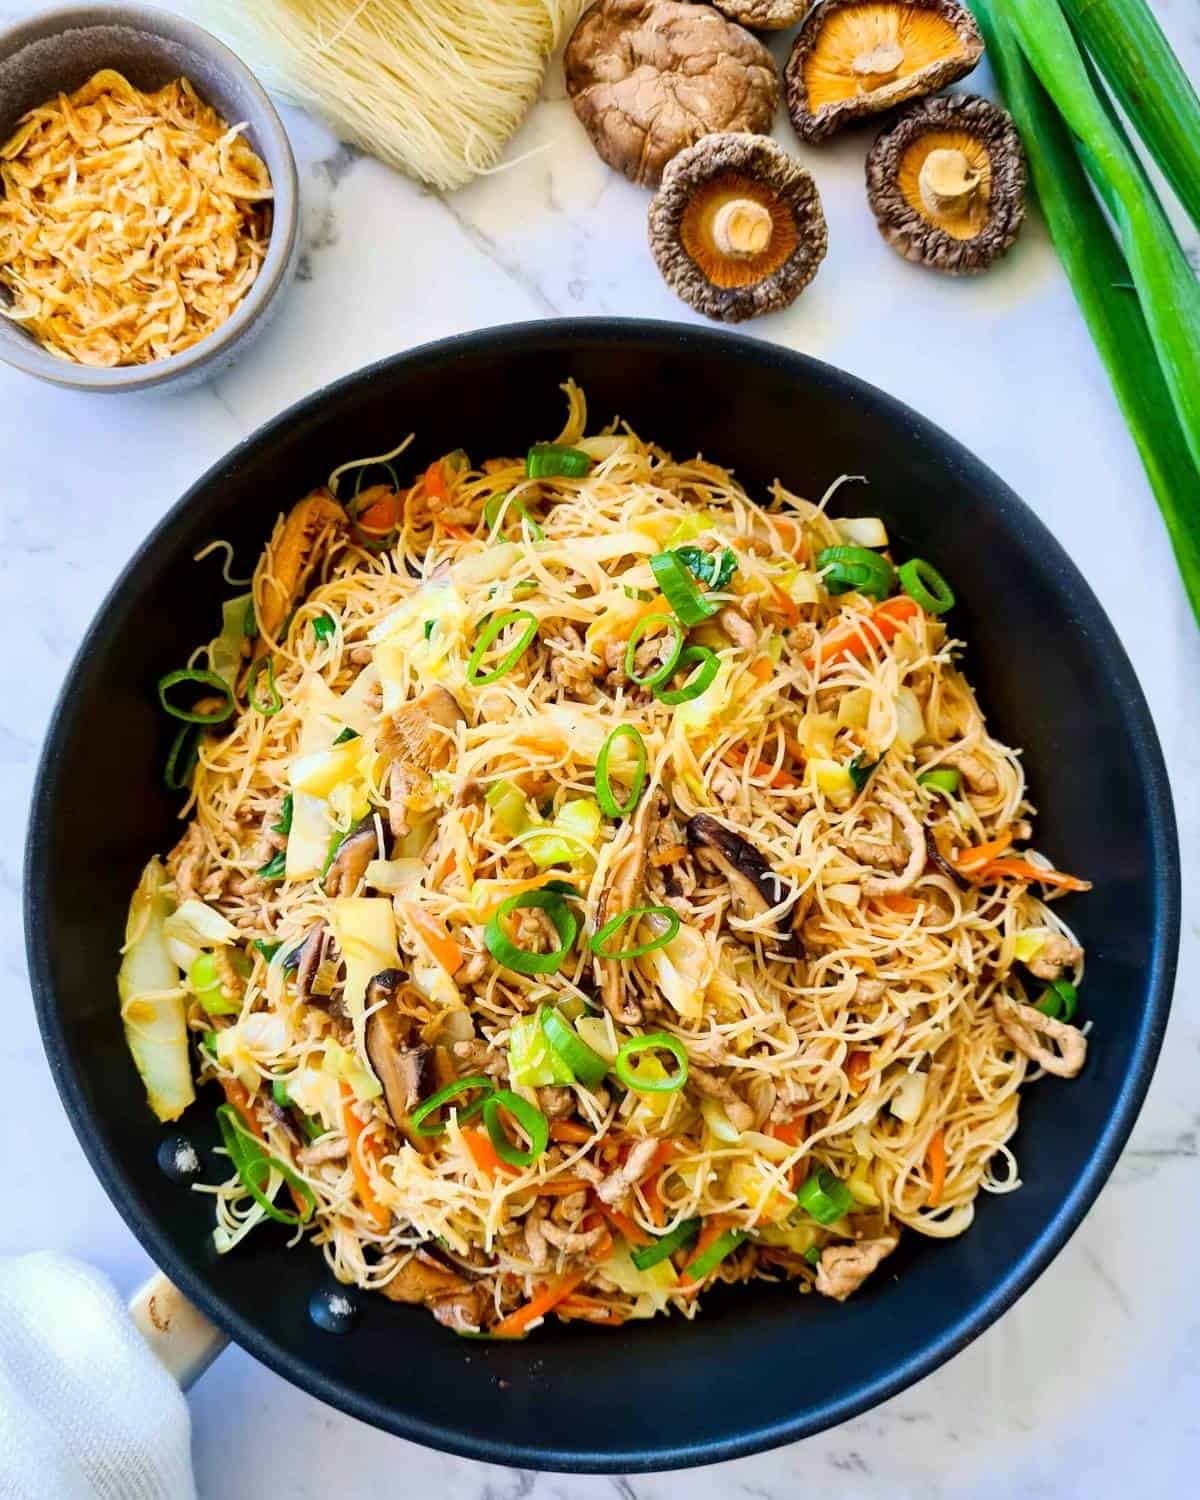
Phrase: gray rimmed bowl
(58, 51)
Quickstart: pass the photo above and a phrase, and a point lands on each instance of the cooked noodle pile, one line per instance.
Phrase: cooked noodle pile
(848, 995)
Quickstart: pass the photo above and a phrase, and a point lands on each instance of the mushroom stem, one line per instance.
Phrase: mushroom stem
(742, 228)
(947, 182)
(878, 62)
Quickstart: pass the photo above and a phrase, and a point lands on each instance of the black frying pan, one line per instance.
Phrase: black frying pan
(762, 1365)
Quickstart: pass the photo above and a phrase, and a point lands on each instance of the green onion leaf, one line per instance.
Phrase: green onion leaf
(844, 569)
(497, 509)
(944, 779)
(813, 1255)
(550, 460)
(677, 584)
(345, 735)
(181, 758)
(708, 663)
(1098, 272)
(609, 805)
(654, 1041)
(268, 950)
(208, 1042)
(1059, 1001)
(324, 627)
(588, 1067)
(632, 917)
(714, 569)
(199, 678)
(860, 770)
(285, 816)
(531, 1120)
(666, 1245)
(922, 581)
(476, 1084)
(272, 703)
(669, 662)
(250, 619)
(506, 952)
(711, 1257)
(254, 1167)
(824, 1197)
(529, 627)
(274, 868)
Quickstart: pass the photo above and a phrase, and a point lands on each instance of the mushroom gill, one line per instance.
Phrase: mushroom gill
(737, 230)
(947, 176)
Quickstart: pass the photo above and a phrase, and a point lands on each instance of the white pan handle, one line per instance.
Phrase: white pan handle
(182, 1338)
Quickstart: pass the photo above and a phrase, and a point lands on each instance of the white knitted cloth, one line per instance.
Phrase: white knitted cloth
(86, 1410)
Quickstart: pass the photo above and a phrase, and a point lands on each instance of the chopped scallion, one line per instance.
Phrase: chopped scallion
(824, 1197)
(609, 805)
(531, 1120)
(631, 918)
(551, 461)
(506, 952)
(477, 1084)
(666, 1245)
(707, 663)
(476, 676)
(654, 1041)
(197, 677)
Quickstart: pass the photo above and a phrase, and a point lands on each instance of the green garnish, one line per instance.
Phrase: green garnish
(199, 678)
(824, 1197)
(712, 568)
(254, 1167)
(506, 952)
(249, 619)
(270, 705)
(664, 670)
(845, 568)
(587, 1066)
(475, 1084)
(268, 950)
(860, 770)
(549, 461)
(531, 1120)
(181, 758)
(609, 805)
(708, 663)
(1059, 1001)
(345, 735)
(496, 510)
(632, 917)
(208, 989)
(324, 627)
(666, 1245)
(944, 779)
(711, 1257)
(922, 581)
(478, 678)
(654, 1041)
(679, 588)
(428, 628)
(285, 816)
(274, 867)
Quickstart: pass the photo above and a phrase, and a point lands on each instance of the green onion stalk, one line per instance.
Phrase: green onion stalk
(1099, 275)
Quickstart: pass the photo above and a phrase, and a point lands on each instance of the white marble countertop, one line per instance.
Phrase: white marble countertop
(1091, 1385)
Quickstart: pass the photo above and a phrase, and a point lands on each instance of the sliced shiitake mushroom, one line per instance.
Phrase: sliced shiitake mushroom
(753, 885)
(402, 1064)
(737, 227)
(860, 57)
(947, 184)
(290, 558)
(421, 733)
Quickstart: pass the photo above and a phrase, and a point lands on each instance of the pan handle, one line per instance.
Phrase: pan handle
(181, 1337)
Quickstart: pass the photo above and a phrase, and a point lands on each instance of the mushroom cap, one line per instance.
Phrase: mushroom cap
(859, 57)
(763, 15)
(748, 187)
(947, 183)
(649, 77)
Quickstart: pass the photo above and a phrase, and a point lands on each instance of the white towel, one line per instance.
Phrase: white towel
(86, 1410)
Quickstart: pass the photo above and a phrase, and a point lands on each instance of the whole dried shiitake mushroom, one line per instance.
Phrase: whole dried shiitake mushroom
(947, 183)
(859, 57)
(649, 77)
(737, 227)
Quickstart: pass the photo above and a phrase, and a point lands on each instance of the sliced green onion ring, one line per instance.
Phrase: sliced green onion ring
(270, 706)
(202, 679)
(324, 626)
(497, 509)
(666, 1245)
(922, 581)
(587, 1065)
(824, 1197)
(477, 1082)
(551, 460)
(285, 815)
(632, 917)
(1060, 1000)
(944, 779)
(654, 1041)
(709, 665)
(710, 1258)
(181, 758)
(662, 672)
(506, 952)
(488, 635)
(254, 1167)
(531, 1120)
(609, 805)
(679, 588)
(845, 568)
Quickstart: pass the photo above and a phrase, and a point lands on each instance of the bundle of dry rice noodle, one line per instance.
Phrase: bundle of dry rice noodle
(433, 87)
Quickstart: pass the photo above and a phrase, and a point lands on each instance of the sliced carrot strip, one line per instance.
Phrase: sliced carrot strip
(858, 639)
(516, 1325)
(483, 1154)
(779, 778)
(668, 856)
(435, 481)
(978, 855)
(762, 669)
(1022, 869)
(903, 906)
(434, 935)
(936, 1157)
(359, 1148)
(568, 1131)
(713, 1228)
(624, 1225)
(857, 1064)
